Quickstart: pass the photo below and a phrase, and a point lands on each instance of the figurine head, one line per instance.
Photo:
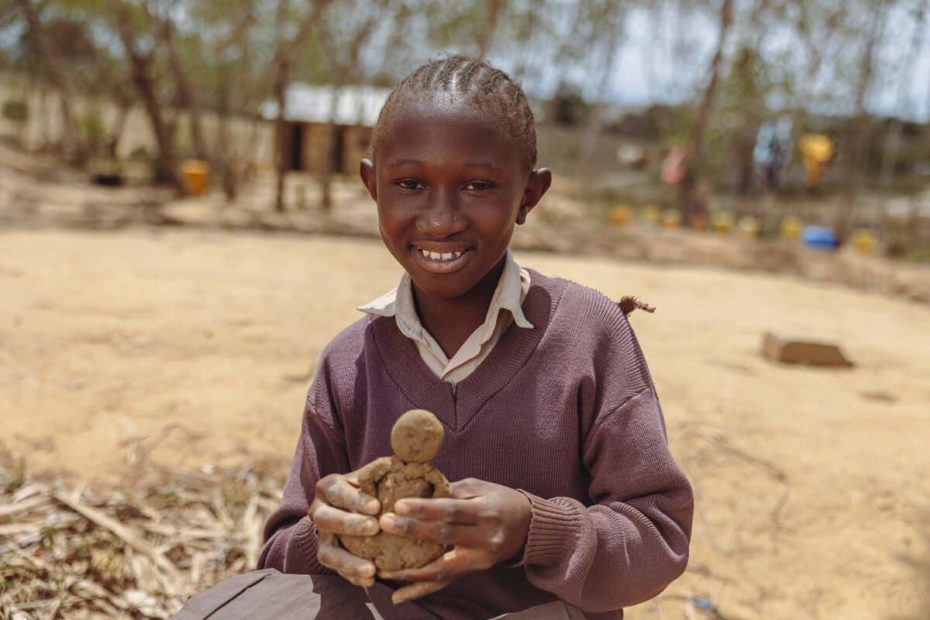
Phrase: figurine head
(417, 436)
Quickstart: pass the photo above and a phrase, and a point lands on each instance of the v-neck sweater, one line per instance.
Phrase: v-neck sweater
(566, 412)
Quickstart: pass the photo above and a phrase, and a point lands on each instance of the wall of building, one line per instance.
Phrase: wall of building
(317, 141)
(252, 140)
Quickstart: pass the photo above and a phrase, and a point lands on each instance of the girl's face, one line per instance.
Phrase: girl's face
(450, 184)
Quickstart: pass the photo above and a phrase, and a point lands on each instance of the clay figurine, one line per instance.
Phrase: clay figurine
(416, 439)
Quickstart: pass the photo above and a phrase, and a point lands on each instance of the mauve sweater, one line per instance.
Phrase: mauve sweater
(565, 412)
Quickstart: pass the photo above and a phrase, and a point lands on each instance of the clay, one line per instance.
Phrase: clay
(416, 439)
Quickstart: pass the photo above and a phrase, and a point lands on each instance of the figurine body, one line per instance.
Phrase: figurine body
(416, 439)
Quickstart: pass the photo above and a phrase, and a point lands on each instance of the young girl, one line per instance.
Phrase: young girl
(566, 500)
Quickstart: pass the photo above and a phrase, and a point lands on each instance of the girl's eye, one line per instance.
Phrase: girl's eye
(409, 184)
(478, 186)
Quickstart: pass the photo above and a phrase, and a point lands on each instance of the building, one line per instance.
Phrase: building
(315, 120)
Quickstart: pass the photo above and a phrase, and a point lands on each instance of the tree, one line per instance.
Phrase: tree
(493, 10)
(49, 57)
(285, 53)
(688, 202)
(344, 57)
(166, 33)
(140, 62)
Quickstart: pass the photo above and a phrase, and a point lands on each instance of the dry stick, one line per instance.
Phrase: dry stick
(128, 537)
(252, 525)
(24, 506)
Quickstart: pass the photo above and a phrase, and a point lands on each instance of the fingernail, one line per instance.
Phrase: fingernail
(401, 508)
(373, 507)
(388, 521)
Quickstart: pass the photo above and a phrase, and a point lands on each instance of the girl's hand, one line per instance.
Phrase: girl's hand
(339, 507)
(486, 524)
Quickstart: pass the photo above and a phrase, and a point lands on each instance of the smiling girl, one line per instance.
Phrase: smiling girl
(566, 500)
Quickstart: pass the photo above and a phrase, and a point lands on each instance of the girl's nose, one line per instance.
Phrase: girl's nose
(441, 219)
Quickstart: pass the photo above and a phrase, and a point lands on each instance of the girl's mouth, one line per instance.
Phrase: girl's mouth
(445, 261)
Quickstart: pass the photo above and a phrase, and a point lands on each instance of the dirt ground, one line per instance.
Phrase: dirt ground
(196, 347)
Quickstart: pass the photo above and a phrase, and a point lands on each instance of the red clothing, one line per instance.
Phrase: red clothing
(566, 412)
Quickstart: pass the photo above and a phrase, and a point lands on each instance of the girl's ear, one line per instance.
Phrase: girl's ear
(536, 186)
(366, 170)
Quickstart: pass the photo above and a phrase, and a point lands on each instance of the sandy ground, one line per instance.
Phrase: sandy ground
(193, 348)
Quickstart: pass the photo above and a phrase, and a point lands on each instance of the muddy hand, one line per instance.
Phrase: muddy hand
(339, 507)
(485, 523)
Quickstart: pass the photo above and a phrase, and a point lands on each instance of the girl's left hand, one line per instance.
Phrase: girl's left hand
(486, 524)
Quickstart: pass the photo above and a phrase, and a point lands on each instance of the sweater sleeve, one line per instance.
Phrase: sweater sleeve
(633, 541)
(291, 541)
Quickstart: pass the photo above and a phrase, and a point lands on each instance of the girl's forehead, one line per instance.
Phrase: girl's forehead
(442, 111)
(446, 126)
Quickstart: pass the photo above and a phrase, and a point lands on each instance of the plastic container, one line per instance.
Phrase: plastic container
(790, 228)
(621, 215)
(819, 238)
(650, 214)
(671, 218)
(196, 174)
(722, 222)
(864, 241)
(748, 227)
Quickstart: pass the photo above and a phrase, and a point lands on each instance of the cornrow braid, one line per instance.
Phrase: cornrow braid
(474, 81)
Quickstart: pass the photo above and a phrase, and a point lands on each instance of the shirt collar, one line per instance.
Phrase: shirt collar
(511, 289)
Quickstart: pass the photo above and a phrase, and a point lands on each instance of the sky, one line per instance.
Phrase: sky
(650, 69)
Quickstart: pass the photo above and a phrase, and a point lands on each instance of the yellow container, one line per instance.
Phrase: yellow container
(196, 174)
(621, 215)
(651, 214)
(722, 222)
(790, 228)
(671, 218)
(748, 227)
(816, 147)
(864, 241)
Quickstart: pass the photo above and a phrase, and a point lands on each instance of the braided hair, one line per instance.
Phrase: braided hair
(472, 81)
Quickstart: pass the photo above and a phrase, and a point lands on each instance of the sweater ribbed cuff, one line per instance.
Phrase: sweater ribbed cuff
(551, 524)
(307, 542)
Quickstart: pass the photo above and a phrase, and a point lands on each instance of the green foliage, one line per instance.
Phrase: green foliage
(15, 110)
(93, 131)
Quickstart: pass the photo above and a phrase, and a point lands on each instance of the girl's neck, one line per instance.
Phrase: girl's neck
(452, 321)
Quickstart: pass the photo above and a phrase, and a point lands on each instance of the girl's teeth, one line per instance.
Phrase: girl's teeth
(441, 256)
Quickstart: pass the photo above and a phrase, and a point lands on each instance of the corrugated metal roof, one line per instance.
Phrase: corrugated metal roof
(355, 105)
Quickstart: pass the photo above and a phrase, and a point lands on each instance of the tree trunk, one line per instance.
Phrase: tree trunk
(188, 96)
(860, 137)
(70, 141)
(280, 128)
(688, 201)
(145, 85)
(346, 70)
(119, 126)
(284, 54)
(594, 125)
(224, 158)
(326, 178)
(486, 36)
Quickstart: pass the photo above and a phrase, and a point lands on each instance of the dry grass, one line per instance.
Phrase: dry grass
(70, 551)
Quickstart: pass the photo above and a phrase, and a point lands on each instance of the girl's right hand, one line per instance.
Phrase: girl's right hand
(339, 507)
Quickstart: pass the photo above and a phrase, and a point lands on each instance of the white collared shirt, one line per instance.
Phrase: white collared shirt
(508, 295)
